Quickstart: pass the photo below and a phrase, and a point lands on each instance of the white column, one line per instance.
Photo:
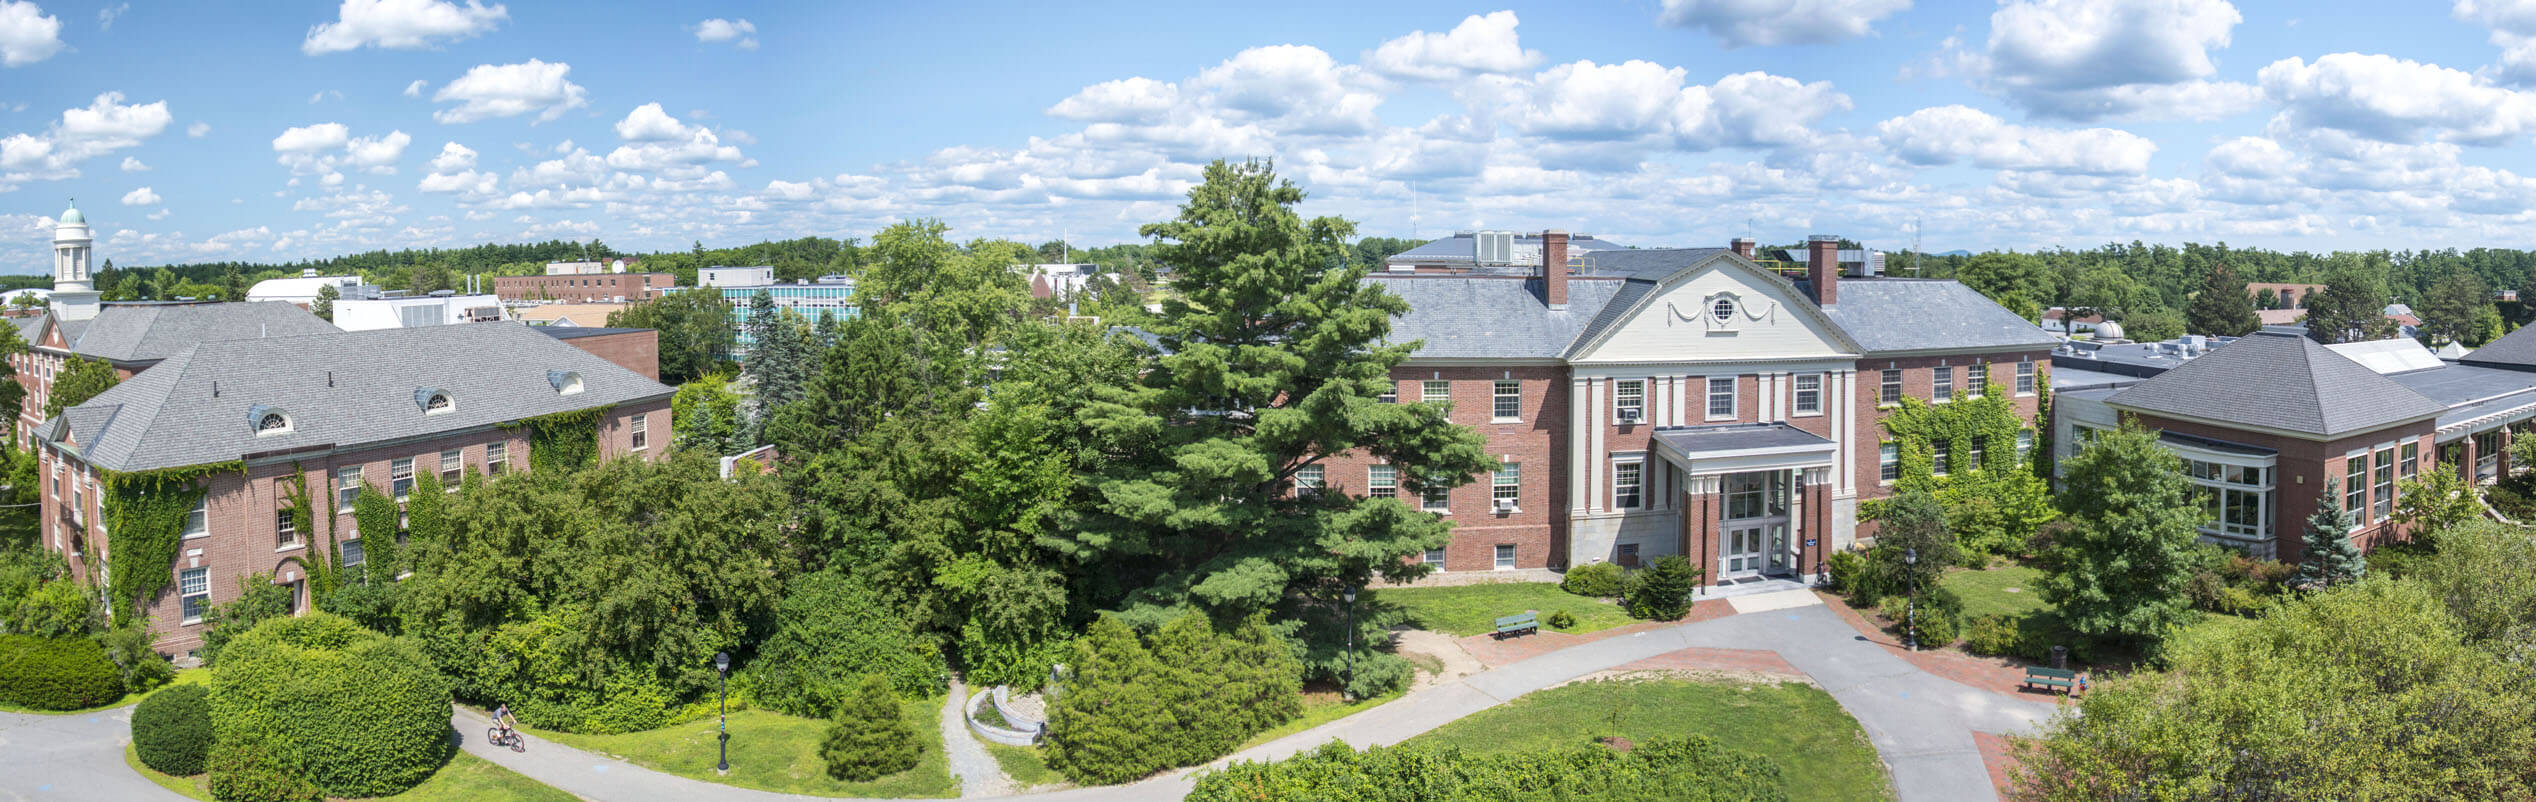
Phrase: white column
(1579, 435)
(1596, 455)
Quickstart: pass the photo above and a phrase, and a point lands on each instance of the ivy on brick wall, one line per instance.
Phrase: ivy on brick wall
(324, 566)
(375, 515)
(1994, 503)
(564, 440)
(144, 513)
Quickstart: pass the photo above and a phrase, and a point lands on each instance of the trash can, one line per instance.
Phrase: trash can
(2060, 657)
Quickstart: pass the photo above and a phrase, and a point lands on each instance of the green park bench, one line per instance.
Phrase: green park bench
(1518, 625)
(2050, 678)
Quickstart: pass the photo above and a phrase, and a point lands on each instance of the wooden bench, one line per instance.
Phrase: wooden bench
(1518, 625)
(2050, 678)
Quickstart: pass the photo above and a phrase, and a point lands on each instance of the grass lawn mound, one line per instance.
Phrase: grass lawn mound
(1821, 752)
(774, 752)
(1474, 609)
(463, 779)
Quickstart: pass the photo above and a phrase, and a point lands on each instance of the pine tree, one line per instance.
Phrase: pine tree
(2326, 555)
(869, 738)
(1663, 593)
(1104, 724)
(2222, 308)
(1273, 357)
(779, 356)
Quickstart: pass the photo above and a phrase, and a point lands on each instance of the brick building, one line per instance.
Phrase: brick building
(133, 337)
(636, 350)
(1674, 401)
(335, 410)
(584, 288)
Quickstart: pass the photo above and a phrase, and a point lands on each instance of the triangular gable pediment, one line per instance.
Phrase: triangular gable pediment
(1724, 308)
(50, 336)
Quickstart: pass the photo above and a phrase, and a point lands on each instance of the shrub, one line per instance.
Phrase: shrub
(832, 629)
(1663, 592)
(246, 769)
(1846, 567)
(869, 738)
(57, 673)
(1132, 706)
(1995, 636)
(1599, 580)
(171, 730)
(352, 712)
(259, 600)
(128, 645)
(1562, 620)
(1691, 769)
(56, 609)
(1937, 615)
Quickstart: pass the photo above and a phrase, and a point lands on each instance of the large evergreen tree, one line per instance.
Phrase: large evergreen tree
(2222, 308)
(1274, 355)
(2118, 571)
(2326, 556)
(780, 358)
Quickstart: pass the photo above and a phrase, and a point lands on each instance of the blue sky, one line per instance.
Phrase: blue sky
(210, 131)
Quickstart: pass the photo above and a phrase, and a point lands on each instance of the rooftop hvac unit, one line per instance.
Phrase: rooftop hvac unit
(1495, 247)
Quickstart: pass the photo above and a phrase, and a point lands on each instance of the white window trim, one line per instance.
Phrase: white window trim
(1640, 502)
(1708, 401)
(1645, 412)
(181, 595)
(1508, 560)
(1947, 394)
(206, 508)
(1897, 462)
(1493, 395)
(1517, 485)
(1796, 390)
(2027, 375)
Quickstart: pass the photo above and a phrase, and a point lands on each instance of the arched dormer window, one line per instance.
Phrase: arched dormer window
(566, 382)
(434, 401)
(269, 421)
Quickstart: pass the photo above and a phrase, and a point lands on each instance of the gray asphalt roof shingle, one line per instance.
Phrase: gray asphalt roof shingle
(2279, 381)
(1889, 314)
(2516, 350)
(1491, 317)
(145, 333)
(342, 388)
(1730, 437)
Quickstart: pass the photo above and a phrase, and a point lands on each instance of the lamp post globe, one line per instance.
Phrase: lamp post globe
(1911, 611)
(722, 687)
(1347, 689)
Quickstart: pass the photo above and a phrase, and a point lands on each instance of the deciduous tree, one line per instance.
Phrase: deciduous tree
(2118, 571)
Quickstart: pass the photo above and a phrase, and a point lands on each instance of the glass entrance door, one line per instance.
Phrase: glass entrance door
(1744, 551)
(1778, 549)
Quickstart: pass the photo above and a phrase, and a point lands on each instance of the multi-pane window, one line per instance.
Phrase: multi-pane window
(2025, 378)
(497, 457)
(2355, 488)
(1975, 454)
(1627, 479)
(1746, 495)
(452, 463)
(1629, 400)
(1435, 496)
(193, 585)
(1508, 398)
(1890, 392)
(1382, 481)
(1390, 394)
(2234, 499)
(79, 505)
(2024, 445)
(1505, 556)
(1809, 393)
(1941, 383)
(642, 432)
(351, 550)
(198, 519)
(1975, 381)
(2412, 460)
(285, 529)
(1307, 479)
(400, 478)
(2383, 503)
(1945, 457)
(1434, 557)
(1506, 487)
(1721, 397)
(347, 487)
(1434, 391)
(1889, 461)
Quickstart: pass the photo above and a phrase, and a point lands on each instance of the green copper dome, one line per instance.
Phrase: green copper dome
(72, 215)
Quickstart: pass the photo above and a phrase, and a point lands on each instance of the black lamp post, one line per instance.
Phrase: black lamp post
(1348, 690)
(1911, 614)
(722, 665)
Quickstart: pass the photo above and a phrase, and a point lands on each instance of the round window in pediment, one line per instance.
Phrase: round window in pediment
(1723, 309)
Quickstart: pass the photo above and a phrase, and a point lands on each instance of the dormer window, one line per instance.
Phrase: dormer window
(439, 403)
(566, 382)
(269, 421)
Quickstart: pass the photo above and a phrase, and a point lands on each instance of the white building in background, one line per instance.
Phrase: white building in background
(616, 265)
(74, 296)
(40, 298)
(303, 290)
(1059, 281)
(437, 309)
(735, 276)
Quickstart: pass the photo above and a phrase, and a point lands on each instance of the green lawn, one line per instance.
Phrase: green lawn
(464, 777)
(1822, 752)
(2007, 591)
(1318, 709)
(774, 752)
(185, 677)
(1474, 609)
(1023, 764)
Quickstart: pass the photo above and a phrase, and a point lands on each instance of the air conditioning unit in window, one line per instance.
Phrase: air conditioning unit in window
(1633, 416)
(1505, 505)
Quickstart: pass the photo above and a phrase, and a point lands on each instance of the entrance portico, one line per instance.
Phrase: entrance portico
(1756, 499)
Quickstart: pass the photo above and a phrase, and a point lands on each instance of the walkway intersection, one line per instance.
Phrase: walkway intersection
(1922, 724)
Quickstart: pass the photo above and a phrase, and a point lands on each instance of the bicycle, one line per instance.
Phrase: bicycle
(499, 736)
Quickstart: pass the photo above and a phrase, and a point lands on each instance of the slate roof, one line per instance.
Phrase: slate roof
(27, 327)
(199, 406)
(1491, 317)
(148, 333)
(2516, 351)
(1734, 437)
(2279, 381)
(1902, 314)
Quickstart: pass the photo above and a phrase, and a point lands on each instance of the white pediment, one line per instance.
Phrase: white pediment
(1721, 310)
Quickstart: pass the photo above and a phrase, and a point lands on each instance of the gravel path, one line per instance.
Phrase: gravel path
(977, 771)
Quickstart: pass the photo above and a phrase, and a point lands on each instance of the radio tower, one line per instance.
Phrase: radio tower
(1915, 247)
(1413, 210)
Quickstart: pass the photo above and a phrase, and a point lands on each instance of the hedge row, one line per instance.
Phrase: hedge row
(351, 712)
(1692, 769)
(57, 673)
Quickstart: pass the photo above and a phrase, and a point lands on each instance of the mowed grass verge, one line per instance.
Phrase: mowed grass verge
(1474, 609)
(1822, 753)
(774, 752)
(465, 777)
(2008, 591)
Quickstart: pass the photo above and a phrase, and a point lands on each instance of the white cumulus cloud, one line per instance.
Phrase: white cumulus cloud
(1779, 22)
(453, 157)
(141, 197)
(2397, 100)
(415, 89)
(1961, 134)
(1481, 44)
(715, 30)
(2095, 59)
(1123, 100)
(198, 130)
(510, 90)
(105, 125)
(133, 165)
(27, 34)
(401, 25)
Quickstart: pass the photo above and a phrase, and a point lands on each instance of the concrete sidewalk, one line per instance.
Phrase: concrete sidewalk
(77, 756)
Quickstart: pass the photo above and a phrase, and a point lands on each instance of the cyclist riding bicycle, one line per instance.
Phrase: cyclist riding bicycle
(502, 719)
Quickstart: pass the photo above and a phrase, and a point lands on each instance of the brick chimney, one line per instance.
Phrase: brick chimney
(1742, 246)
(1822, 268)
(1554, 268)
